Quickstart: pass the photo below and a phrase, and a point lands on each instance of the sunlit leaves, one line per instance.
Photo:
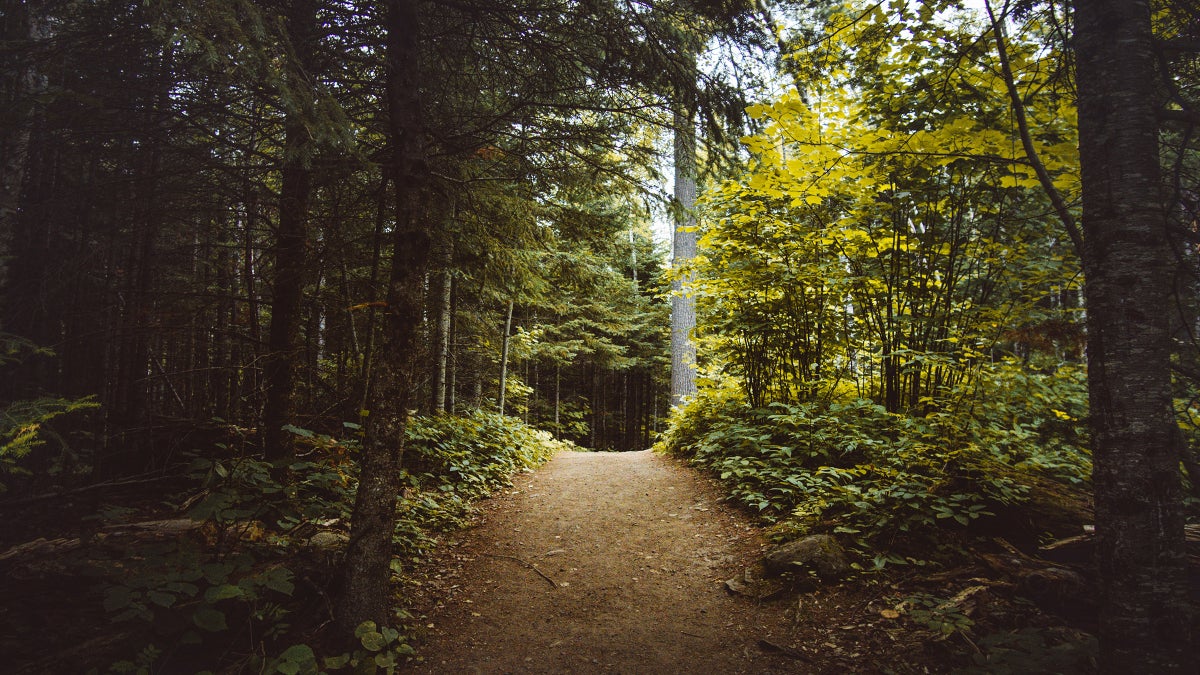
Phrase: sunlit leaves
(890, 229)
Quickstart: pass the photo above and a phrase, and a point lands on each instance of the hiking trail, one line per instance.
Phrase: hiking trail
(603, 563)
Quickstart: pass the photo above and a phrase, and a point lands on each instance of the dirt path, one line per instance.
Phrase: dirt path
(633, 547)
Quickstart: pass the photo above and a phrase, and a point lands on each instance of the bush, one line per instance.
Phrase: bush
(240, 572)
(885, 479)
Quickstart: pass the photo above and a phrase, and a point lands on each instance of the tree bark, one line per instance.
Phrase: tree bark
(20, 83)
(504, 356)
(683, 304)
(283, 347)
(366, 573)
(1144, 623)
(442, 295)
(452, 361)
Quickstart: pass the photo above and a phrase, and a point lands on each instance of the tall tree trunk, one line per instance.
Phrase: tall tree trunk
(368, 358)
(683, 304)
(504, 356)
(20, 83)
(1144, 623)
(27, 171)
(452, 385)
(283, 348)
(246, 391)
(442, 295)
(366, 569)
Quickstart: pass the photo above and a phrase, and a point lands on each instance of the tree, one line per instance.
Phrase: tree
(1126, 256)
(684, 236)
(366, 569)
(284, 355)
(888, 238)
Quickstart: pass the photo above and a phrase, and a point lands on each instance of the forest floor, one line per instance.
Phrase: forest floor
(616, 563)
(594, 563)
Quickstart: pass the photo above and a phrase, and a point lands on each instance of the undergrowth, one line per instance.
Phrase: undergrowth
(893, 485)
(249, 588)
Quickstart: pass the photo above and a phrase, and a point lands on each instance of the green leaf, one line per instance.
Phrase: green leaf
(223, 592)
(373, 641)
(279, 580)
(303, 433)
(297, 659)
(337, 662)
(161, 599)
(209, 619)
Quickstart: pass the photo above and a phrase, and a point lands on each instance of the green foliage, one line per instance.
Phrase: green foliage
(891, 481)
(888, 234)
(474, 454)
(455, 460)
(940, 615)
(382, 649)
(24, 424)
(238, 570)
(15, 349)
(23, 428)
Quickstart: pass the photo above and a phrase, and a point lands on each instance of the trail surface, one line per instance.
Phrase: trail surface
(603, 563)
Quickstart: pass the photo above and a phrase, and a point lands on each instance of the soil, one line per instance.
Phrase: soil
(616, 563)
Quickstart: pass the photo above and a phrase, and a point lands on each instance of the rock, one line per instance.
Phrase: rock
(327, 540)
(819, 553)
(753, 584)
(738, 585)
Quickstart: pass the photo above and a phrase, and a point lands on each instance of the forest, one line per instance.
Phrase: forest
(288, 286)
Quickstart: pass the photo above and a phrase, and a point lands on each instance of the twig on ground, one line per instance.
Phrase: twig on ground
(526, 564)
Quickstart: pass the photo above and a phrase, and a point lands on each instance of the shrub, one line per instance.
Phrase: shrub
(239, 574)
(852, 468)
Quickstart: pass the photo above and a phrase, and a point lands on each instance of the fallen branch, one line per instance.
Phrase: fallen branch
(526, 564)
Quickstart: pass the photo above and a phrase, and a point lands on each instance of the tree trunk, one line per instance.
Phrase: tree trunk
(368, 358)
(283, 348)
(504, 356)
(442, 295)
(245, 391)
(1144, 622)
(452, 384)
(683, 304)
(20, 84)
(366, 575)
